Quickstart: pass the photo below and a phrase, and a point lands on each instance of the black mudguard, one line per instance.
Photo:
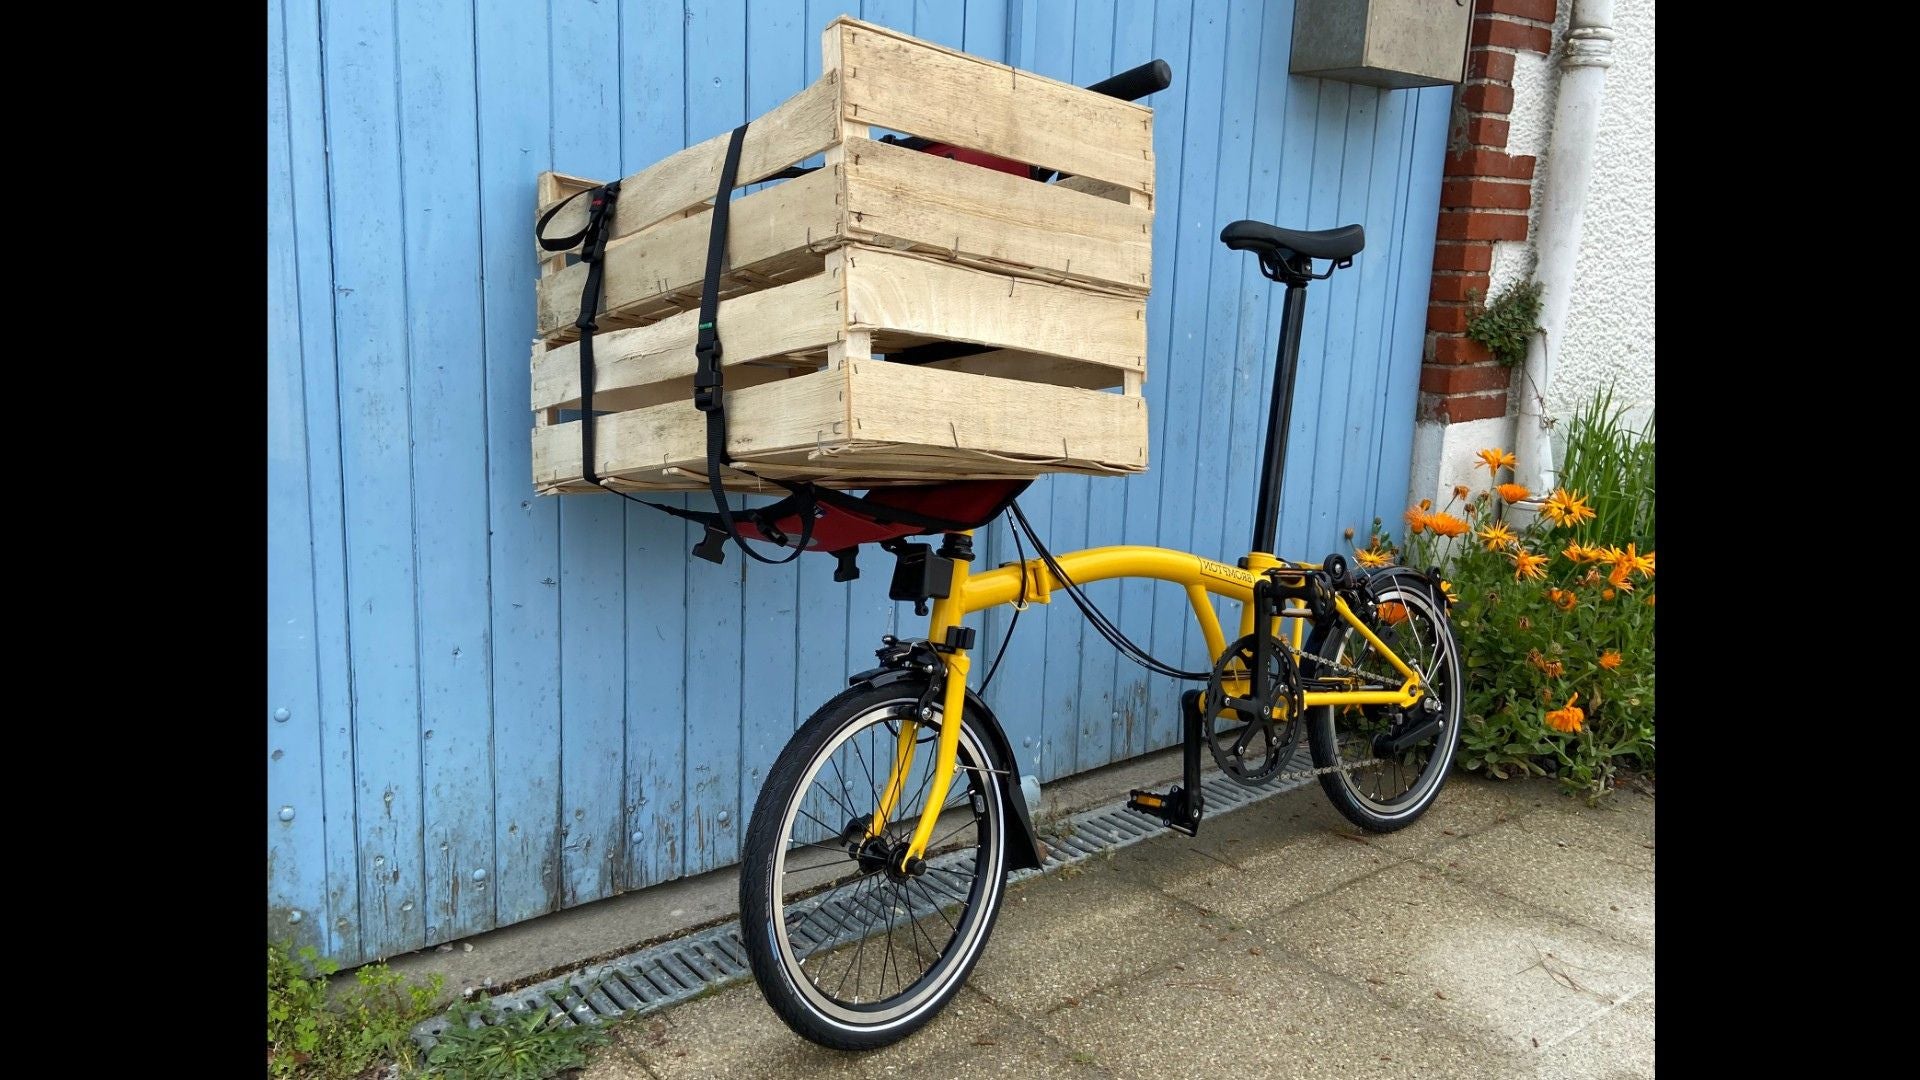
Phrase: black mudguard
(1024, 849)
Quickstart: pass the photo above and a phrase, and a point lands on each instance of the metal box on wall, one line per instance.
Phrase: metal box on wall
(1390, 43)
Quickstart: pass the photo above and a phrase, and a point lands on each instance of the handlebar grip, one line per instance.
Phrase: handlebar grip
(1150, 77)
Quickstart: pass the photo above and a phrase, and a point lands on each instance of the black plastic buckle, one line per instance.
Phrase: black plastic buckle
(706, 378)
(712, 547)
(848, 568)
(918, 574)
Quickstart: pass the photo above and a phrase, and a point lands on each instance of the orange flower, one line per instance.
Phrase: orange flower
(1567, 718)
(1416, 520)
(1606, 594)
(1497, 537)
(1562, 599)
(1585, 553)
(1513, 493)
(1460, 491)
(1494, 459)
(1528, 567)
(1634, 562)
(1393, 612)
(1446, 588)
(1611, 659)
(1617, 577)
(1566, 508)
(1446, 524)
(1373, 558)
(1649, 599)
(1553, 668)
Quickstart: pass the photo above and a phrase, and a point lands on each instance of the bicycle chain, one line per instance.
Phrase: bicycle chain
(1310, 774)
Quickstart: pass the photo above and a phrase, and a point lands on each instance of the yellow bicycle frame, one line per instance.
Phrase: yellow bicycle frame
(977, 592)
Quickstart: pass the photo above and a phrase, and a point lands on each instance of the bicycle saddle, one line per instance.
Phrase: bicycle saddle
(1271, 240)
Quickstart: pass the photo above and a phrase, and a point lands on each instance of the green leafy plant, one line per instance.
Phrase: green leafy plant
(316, 1034)
(1615, 463)
(1508, 323)
(1555, 613)
(533, 1045)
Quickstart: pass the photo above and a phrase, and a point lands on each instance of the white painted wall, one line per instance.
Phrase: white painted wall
(1610, 331)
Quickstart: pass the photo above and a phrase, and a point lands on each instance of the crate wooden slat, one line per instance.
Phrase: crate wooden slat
(883, 249)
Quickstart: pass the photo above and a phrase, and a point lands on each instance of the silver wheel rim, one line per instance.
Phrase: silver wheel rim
(1439, 664)
(982, 895)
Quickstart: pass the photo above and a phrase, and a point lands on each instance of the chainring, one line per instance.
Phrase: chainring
(1251, 751)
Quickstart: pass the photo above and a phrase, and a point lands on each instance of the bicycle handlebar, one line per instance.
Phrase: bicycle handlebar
(1149, 78)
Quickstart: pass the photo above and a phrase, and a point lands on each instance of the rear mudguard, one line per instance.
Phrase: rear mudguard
(1024, 850)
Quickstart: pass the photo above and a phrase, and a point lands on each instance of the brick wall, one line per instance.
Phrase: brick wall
(1484, 198)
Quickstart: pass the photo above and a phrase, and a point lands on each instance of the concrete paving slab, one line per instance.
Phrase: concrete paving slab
(1467, 805)
(1591, 875)
(1068, 934)
(1272, 879)
(1615, 1046)
(1227, 1013)
(1506, 971)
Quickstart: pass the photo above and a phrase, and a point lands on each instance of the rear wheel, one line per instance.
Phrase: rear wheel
(1393, 792)
(852, 952)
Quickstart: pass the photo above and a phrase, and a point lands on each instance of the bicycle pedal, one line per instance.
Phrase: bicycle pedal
(1175, 808)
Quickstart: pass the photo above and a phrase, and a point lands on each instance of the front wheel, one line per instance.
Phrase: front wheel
(852, 952)
(1401, 781)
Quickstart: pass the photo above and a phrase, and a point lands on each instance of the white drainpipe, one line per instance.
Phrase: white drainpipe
(1576, 120)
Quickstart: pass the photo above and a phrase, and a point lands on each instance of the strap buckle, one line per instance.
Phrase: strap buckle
(707, 382)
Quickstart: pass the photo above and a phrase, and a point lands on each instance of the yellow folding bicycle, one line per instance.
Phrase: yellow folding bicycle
(880, 843)
(879, 846)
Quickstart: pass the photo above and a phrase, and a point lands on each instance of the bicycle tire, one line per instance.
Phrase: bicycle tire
(778, 928)
(1350, 794)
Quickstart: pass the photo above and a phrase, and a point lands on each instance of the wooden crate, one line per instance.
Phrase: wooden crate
(880, 250)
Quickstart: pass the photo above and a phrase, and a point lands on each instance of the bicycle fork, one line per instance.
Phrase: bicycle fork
(920, 575)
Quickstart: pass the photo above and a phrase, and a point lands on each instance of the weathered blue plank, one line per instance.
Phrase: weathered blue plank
(515, 132)
(716, 103)
(1092, 504)
(448, 419)
(1139, 600)
(1432, 111)
(1259, 300)
(986, 29)
(312, 225)
(1185, 362)
(1319, 210)
(297, 906)
(370, 326)
(777, 45)
(1393, 139)
(584, 58)
(1357, 466)
(1217, 477)
(1340, 301)
(1108, 518)
(1055, 650)
(653, 124)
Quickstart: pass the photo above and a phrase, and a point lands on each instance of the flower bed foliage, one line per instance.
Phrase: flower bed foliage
(1554, 610)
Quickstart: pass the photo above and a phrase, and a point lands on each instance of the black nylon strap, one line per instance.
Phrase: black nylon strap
(593, 247)
(709, 387)
(563, 244)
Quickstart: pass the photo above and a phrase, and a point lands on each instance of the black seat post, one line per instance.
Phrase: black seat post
(1266, 514)
(1286, 256)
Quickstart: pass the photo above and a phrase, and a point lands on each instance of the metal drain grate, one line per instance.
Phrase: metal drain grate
(670, 972)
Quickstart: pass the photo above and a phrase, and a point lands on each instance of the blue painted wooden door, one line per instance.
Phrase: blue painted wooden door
(484, 706)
